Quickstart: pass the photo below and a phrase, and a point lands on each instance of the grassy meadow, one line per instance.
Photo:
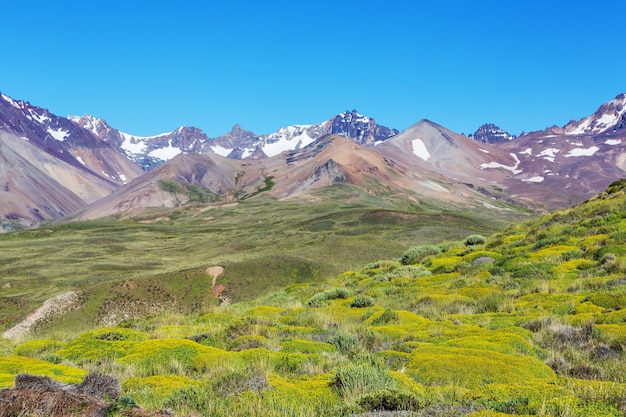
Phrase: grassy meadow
(262, 243)
(527, 321)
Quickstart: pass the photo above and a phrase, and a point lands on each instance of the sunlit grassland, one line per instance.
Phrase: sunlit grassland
(263, 244)
(528, 321)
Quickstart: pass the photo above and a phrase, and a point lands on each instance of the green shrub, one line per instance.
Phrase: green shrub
(389, 400)
(387, 316)
(361, 301)
(409, 271)
(320, 298)
(355, 381)
(417, 253)
(345, 343)
(472, 240)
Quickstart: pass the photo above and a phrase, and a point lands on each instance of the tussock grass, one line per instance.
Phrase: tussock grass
(539, 329)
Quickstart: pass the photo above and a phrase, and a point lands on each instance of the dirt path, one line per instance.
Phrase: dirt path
(53, 307)
(217, 289)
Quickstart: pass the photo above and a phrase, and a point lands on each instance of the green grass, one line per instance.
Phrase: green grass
(540, 330)
(264, 244)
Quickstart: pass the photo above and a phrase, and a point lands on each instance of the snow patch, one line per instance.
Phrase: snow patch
(549, 154)
(286, 139)
(582, 151)
(483, 150)
(138, 144)
(122, 177)
(221, 151)
(613, 142)
(42, 119)
(79, 159)
(420, 150)
(11, 101)
(528, 151)
(536, 179)
(165, 154)
(513, 169)
(58, 134)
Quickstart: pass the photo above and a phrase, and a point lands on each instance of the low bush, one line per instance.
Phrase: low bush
(390, 400)
(321, 298)
(417, 253)
(472, 240)
(362, 301)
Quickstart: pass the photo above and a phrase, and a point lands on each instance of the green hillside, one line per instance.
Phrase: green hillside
(529, 321)
(264, 244)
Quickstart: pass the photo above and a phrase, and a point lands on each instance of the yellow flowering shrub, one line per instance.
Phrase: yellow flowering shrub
(269, 312)
(305, 346)
(613, 332)
(13, 365)
(613, 317)
(306, 393)
(164, 355)
(473, 367)
(551, 252)
(160, 385)
(33, 348)
(501, 342)
(572, 268)
(102, 344)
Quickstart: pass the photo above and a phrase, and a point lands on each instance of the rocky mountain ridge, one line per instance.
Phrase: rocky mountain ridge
(90, 159)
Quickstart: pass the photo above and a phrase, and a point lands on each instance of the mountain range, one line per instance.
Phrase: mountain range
(53, 166)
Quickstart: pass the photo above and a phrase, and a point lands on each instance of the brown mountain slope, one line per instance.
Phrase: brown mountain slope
(27, 193)
(168, 186)
(329, 160)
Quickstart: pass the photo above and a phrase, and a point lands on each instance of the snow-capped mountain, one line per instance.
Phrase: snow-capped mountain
(490, 133)
(147, 151)
(609, 118)
(239, 143)
(51, 166)
(351, 125)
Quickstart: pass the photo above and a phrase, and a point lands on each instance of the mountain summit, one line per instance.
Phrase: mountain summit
(490, 133)
(610, 117)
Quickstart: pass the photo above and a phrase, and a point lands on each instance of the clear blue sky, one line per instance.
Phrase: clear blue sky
(151, 66)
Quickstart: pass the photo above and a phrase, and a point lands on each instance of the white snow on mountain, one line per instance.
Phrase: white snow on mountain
(582, 151)
(613, 142)
(286, 139)
(536, 179)
(602, 120)
(549, 154)
(41, 118)
(58, 134)
(513, 169)
(165, 154)
(88, 122)
(419, 149)
(11, 101)
(221, 151)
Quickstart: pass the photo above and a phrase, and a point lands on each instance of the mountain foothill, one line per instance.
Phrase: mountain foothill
(74, 167)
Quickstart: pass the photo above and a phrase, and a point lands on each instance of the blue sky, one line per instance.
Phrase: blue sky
(151, 66)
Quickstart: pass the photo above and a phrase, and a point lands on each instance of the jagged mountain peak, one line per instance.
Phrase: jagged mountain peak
(610, 117)
(490, 133)
(361, 129)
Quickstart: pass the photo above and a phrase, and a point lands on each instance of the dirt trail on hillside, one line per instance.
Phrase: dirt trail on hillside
(53, 307)
(217, 289)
